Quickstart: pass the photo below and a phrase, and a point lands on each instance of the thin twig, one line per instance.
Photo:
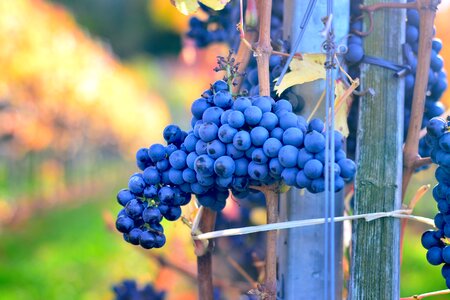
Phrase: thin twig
(427, 11)
(431, 294)
(412, 204)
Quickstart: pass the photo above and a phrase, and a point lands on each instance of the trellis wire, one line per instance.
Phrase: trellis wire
(402, 214)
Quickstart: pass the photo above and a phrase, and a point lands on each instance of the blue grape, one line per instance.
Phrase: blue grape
(302, 180)
(226, 133)
(289, 176)
(212, 114)
(313, 169)
(289, 120)
(263, 103)
(216, 149)
(241, 103)
(282, 105)
(434, 256)
(348, 168)
(241, 167)
(259, 157)
(157, 152)
(151, 175)
(277, 133)
(150, 192)
(136, 184)
(147, 239)
(173, 213)
(275, 168)
(259, 135)
(220, 85)
(178, 159)
(124, 224)
(271, 147)
(166, 195)
(314, 142)
(124, 196)
(293, 136)
(236, 119)
(172, 134)
(253, 115)
(224, 166)
(151, 215)
(316, 124)
(355, 54)
(198, 107)
(242, 140)
(176, 176)
(269, 121)
(223, 99)
(208, 131)
(288, 156)
(303, 157)
(190, 141)
(190, 159)
(257, 171)
(189, 175)
(233, 152)
(200, 147)
(204, 165)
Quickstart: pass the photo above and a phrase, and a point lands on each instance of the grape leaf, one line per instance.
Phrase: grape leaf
(342, 104)
(310, 68)
(187, 7)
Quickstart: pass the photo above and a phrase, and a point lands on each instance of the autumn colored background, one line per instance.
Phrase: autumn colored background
(83, 84)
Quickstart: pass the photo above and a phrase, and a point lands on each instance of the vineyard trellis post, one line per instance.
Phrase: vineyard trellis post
(375, 265)
(301, 250)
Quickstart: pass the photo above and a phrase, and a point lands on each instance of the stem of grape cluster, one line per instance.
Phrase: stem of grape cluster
(427, 11)
(263, 51)
(263, 47)
(204, 257)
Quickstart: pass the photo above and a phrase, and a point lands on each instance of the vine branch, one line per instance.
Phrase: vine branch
(263, 47)
(425, 295)
(427, 11)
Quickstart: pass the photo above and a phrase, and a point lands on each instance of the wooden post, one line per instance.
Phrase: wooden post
(375, 245)
(301, 250)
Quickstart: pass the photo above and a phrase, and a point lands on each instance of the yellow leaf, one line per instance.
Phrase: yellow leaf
(310, 68)
(342, 104)
(215, 4)
(186, 7)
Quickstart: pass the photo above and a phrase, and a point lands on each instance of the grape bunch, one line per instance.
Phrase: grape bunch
(438, 250)
(154, 194)
(129, 290)
(437, 79)
(234, 144)
(219, 27)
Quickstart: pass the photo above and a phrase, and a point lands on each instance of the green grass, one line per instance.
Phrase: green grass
(66, 254)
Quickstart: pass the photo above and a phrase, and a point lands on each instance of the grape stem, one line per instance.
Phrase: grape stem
(427, 11)
(262, 53)
(204, 257)
(268, 290)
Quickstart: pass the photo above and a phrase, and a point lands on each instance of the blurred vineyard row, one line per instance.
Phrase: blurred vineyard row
(68, 106)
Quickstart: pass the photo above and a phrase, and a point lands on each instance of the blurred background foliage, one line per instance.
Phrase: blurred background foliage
(83, 85)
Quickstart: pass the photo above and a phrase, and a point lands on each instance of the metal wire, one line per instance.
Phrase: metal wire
(303, 24)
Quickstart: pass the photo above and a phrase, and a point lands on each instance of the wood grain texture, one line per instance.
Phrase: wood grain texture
(375, 265)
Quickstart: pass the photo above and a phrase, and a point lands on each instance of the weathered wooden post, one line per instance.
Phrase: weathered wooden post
(375, 245)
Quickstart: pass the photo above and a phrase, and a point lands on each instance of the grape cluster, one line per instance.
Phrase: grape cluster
(155, 193)
(254, 141)
(437, 79)
(219, 27)
(438, 251)
(128, 290)
(234, 144)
